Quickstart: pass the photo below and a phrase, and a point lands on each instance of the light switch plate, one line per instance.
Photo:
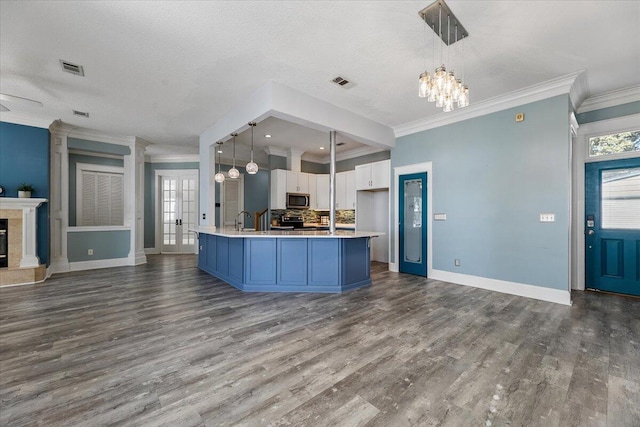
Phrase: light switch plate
(547, 217)
(440, 217)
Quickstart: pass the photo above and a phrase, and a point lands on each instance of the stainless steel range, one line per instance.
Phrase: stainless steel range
(292, 221)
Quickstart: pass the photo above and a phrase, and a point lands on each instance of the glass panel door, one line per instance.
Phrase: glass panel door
(179, 213)
(413, 224)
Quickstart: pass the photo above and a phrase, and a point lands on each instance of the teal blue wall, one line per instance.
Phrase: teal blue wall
(78, 158)
(150, 192)
(24, 157)
(96, 146)
(256, 193)
(493, 177)
(105, 245)
(609, 112)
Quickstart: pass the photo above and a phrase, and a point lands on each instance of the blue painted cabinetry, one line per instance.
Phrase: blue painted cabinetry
(287, 264)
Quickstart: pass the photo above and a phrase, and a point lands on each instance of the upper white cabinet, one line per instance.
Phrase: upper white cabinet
(346, 190)
(372, 176)
(297, 182)
(278, 189)
(322, 193)
(312, 180)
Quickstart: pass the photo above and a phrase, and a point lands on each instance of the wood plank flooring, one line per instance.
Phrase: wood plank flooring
(166, 344)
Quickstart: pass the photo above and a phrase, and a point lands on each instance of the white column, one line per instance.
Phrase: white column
(59, 197)
(134, 209)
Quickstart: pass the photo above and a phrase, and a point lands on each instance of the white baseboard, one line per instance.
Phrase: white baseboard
(393, 267)
(139, 258)
(100, 263)
(151, 251)
(513, 288)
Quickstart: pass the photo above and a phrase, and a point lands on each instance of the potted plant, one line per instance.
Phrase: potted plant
(25, 190)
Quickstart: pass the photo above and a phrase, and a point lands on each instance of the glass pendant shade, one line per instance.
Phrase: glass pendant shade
(252, 167)
(439, 76)
(233, 173)
(423, 84)
(433, 92)
(448, 104)
(219, 177)
(440, 100)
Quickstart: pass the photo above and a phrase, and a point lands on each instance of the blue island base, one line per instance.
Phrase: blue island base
(261, 264)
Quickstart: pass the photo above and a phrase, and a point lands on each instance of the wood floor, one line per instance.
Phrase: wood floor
(165, 344)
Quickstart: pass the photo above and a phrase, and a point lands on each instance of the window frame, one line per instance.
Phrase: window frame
(604, 157)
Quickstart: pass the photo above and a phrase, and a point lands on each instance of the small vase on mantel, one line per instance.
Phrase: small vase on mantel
(24, 194)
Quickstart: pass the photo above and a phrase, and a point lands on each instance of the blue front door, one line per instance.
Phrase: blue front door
(412, 192)
(612, 226)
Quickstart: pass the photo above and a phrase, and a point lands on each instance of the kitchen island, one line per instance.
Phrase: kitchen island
(287, 261)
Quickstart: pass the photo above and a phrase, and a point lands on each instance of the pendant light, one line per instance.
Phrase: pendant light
(233, 172)
(252, 167)
(219, 177)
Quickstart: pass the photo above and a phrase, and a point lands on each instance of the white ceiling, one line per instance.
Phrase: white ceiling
(166, 71)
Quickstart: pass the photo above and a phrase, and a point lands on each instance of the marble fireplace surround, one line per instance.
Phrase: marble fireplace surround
(24, 264)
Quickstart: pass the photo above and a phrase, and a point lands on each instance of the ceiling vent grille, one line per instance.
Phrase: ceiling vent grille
(343, 82)
(80, 113)
(72, 68)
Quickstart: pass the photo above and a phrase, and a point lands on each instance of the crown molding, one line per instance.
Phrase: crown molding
(94, 154)
(351, 154)
(25, 119)
(548, 89)
(611, 99)
(169, 158)
(276, 151)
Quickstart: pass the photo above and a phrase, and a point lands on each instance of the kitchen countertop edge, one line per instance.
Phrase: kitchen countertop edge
(339, 234)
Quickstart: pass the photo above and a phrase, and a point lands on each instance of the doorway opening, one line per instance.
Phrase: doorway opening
(177, 211)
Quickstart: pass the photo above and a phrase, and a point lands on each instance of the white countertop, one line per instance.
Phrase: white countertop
(340, 234)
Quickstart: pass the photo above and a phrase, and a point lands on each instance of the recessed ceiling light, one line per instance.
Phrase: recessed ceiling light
(322, 148)
(267, 136)
(220, 151)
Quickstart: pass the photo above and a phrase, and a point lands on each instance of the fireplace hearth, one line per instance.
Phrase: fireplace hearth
(4, 242)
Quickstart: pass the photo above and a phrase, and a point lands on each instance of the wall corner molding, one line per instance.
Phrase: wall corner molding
(558, 86)
(611, 99)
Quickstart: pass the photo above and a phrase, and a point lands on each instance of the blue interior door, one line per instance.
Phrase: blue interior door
(413, 223)
(612, 226)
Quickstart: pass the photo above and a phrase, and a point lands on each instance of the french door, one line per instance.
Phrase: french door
(178, 212)
(412, 229)
(612, 226)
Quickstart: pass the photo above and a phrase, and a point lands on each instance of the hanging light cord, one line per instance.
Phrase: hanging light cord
(234, 151)
(252, 124)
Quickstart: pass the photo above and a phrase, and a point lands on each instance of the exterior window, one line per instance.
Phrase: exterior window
(99, 195)
(616, 143)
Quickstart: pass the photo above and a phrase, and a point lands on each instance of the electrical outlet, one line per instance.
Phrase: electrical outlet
(547, 217)
(456, 262)
(89, 251)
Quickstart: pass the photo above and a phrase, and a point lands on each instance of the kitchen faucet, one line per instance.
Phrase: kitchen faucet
(238, 222)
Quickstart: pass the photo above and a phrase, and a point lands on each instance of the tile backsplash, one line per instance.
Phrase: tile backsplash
(347, 216)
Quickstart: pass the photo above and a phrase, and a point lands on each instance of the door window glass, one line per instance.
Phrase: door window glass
(413, 221)
(621, 198)
(616, 143)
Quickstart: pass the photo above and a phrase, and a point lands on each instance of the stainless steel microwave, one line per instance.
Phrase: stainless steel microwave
(297, 201)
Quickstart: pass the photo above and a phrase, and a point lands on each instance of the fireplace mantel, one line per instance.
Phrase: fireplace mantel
(29, 207)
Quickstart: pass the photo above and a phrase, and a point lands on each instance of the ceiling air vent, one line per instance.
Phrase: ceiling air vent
(339, 144)
(72, 68)
(343, 82)
(80, 113)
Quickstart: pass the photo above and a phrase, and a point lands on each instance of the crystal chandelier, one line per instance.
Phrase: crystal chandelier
(252, 167)
(219, 177)
(233, 172)
(443, 87)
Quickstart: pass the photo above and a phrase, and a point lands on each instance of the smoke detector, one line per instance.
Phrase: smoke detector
(343, 82)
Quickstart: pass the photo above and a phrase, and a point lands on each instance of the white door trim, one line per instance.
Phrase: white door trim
(580, 157)
(405, 170)
(159, 173)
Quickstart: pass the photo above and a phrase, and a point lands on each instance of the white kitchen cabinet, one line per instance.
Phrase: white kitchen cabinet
(311, 182)
(278, 189)
(350, 190)
(322, 192)
(297, 182)
(341, 185)
(373, 176)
